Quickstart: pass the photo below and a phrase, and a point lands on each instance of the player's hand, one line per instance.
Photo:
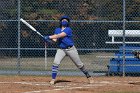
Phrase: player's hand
(46, 38)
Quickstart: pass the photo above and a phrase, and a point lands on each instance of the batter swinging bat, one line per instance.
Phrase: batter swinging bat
(31, 27)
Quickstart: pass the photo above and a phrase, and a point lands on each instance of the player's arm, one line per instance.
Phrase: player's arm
(56, 36)
(55, 40)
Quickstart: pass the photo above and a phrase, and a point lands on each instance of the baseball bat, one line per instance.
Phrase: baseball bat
(31, 27)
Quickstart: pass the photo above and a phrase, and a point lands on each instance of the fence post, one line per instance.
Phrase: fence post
(45, 56)
(124, 37)
(18, 60)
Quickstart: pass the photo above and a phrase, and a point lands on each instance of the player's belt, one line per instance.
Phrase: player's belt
(67, 47)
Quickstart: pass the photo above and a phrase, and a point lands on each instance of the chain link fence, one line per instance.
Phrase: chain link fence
(22, 51)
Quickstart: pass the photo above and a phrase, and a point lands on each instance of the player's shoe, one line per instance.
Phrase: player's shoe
(52, 82)
(90, 80)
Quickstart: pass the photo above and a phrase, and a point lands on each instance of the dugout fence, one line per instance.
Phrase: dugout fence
(22, 51)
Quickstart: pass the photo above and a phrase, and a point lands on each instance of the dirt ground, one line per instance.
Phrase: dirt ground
(40, 84)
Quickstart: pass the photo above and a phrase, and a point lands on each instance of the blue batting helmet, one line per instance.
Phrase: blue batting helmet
(65, 17)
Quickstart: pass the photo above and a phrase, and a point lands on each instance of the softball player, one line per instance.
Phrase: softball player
(63, 35)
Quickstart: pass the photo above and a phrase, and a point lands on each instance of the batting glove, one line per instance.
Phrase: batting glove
(46, 38)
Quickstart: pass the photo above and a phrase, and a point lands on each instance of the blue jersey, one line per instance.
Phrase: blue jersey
(67, 40)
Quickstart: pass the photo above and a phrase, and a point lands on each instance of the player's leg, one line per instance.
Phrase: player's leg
(73, 54)
(60, 54)
(90, 79)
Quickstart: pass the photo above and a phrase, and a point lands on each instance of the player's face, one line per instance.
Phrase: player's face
(64, 23)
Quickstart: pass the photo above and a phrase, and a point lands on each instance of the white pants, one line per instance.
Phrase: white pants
(72, 53)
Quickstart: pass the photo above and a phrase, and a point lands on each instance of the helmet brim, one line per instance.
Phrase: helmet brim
(65, 17)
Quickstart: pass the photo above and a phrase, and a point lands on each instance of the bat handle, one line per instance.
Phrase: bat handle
(40, 34)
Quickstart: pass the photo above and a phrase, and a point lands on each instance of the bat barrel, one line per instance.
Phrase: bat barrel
(30, 26)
